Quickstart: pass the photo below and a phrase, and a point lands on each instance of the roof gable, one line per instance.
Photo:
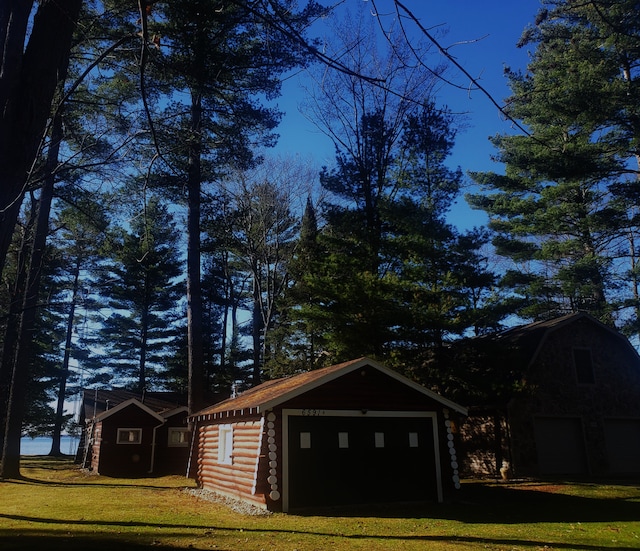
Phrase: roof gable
(532, 338)
(173, 412)
(97, 401)
(123, 405)
(273, 393)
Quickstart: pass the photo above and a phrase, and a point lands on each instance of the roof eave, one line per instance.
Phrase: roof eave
(132, 401)
(270, 404)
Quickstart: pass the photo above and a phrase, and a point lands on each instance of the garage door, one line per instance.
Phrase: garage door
(622, 437)
(347, 460)
(560, 446)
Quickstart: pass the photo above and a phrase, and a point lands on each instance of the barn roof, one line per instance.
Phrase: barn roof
(529, 339)
(272, 393)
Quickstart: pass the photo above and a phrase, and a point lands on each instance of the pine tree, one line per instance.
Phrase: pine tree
(295, 336)
(141, 286)
(557, 212)
(263, 245)
(78, 242)
(225, 294)
(221, 57)
(397, 280)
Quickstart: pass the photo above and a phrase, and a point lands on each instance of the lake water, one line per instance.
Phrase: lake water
(41, 445)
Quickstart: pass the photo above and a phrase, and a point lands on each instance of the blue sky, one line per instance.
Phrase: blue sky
(482, 35)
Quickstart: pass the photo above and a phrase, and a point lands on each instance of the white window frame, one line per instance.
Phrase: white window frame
(225, 444)
(305, 440)
(120, 439)
(183, 440)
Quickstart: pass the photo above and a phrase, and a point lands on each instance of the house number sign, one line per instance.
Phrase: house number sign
(313, 412)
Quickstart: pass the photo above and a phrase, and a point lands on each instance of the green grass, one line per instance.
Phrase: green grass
(57, 507)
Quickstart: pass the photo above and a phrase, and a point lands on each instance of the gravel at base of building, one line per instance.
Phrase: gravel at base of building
(236, 505)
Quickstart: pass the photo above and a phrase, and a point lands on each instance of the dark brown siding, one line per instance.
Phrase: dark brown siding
(171, 459)
(554, 391)
(365, 388)
(126, 460)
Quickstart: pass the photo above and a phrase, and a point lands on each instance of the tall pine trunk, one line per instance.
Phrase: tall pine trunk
(64, 372)
(52, 162)
(12, 333)
(256, 331)
(10, 467)
(28, 80)
(195, 345)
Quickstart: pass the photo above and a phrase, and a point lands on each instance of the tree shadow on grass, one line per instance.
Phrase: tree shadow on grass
(102, 481)
(55, 542)
(81, 539)
(508, 504)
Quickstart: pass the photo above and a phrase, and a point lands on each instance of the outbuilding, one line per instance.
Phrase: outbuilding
(353, 433)
(131, 435)
(570, 404)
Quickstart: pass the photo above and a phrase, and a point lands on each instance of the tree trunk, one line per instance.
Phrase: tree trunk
(142, 366)
(52, 161)
(256, 333)
(20, 377)
(195, 347)
(14, 18)
(144, 338)
(28, 80)
(11, 334)
(10, 466)
(64, 374)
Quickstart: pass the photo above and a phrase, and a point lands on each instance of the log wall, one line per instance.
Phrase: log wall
(95, 447)
(239, 478)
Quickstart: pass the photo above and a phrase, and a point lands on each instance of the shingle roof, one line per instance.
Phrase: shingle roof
(530, 337)
(96, 402)
(274, 392)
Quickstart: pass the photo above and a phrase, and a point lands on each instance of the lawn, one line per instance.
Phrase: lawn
(57, 507)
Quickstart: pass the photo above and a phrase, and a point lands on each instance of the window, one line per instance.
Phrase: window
(178, 437)
(379, 439)
(584, 366)
(225, 444)
(129, 436)
(305, 440)
(413, 439)
(343, 439)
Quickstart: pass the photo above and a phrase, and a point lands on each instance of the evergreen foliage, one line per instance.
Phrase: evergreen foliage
(562, 211)
(393, 279)
(164, 115)
(141, 284)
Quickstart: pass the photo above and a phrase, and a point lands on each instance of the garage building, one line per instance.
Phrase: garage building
(352, 433)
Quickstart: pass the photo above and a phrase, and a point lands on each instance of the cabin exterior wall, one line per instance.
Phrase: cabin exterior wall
(237, 474)
(389, 424)
(171, 457)
(119, 459)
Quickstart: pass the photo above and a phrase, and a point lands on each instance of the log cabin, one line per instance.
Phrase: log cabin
(127, 434)
(352, 433)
